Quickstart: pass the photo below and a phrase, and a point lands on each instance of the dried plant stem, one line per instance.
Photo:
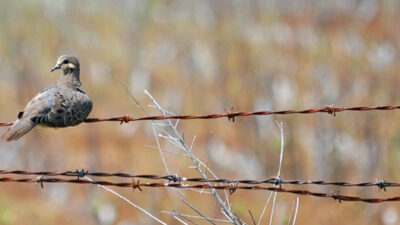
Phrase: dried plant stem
(128, 201)
(226, 210)
(196, 217)
(277, 177)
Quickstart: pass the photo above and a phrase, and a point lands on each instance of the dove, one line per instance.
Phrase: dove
(62, 105)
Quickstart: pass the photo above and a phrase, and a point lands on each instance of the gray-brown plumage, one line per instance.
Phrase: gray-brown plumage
(65, 104)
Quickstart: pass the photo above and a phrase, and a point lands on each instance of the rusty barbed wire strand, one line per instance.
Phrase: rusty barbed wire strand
(231, 115)
(381, 184)
(231, 187)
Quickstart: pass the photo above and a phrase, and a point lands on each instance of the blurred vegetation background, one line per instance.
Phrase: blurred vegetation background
(198, 57)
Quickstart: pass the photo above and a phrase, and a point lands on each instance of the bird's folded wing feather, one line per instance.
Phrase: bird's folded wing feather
(47, 108)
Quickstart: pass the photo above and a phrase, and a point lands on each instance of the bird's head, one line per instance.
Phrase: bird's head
(67, 63)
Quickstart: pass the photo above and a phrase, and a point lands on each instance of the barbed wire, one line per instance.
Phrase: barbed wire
(232, 115)
(381, 184)
(231, 187)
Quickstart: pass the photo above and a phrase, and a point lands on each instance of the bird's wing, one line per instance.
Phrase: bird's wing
(47, 108)
(34, 113)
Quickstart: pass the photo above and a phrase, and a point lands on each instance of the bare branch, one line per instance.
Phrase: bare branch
(196, 217)
(295, 212)
(225, 209)
(265, 208)
(197, 211)
(129, 202)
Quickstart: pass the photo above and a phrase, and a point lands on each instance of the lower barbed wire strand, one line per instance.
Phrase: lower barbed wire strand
(137, 185)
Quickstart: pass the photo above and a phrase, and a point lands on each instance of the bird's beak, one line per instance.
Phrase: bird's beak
(56, 67)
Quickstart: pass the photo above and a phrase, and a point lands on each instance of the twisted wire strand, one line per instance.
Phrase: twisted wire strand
(177, 178)
(231, 187)
(231, 115)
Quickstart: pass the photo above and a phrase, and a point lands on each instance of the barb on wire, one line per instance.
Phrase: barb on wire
(176, 178)
(335, 196)
(232, 115)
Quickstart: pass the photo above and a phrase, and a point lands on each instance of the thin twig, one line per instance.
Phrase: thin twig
(280, 125)
(159, 149)
(291, 212)
(295, 212)
(252, 218)
(279, 170)
(184, 217)
(125, 88)
(196, 217)
(128, 201)
(166, 151)
(179, 220)
(197, 211)
(277, 178)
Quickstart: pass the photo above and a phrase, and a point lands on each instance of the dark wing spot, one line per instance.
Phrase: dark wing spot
(20, 114)
(34, 119)
(80, 90)
(45, 111)
(58, 117)
(60, 111)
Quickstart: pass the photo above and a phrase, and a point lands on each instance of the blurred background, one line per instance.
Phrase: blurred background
(199, 57)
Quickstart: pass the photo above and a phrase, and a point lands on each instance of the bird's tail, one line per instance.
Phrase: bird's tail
(18, 129)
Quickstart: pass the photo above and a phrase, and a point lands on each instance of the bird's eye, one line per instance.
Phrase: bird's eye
(65, 61)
